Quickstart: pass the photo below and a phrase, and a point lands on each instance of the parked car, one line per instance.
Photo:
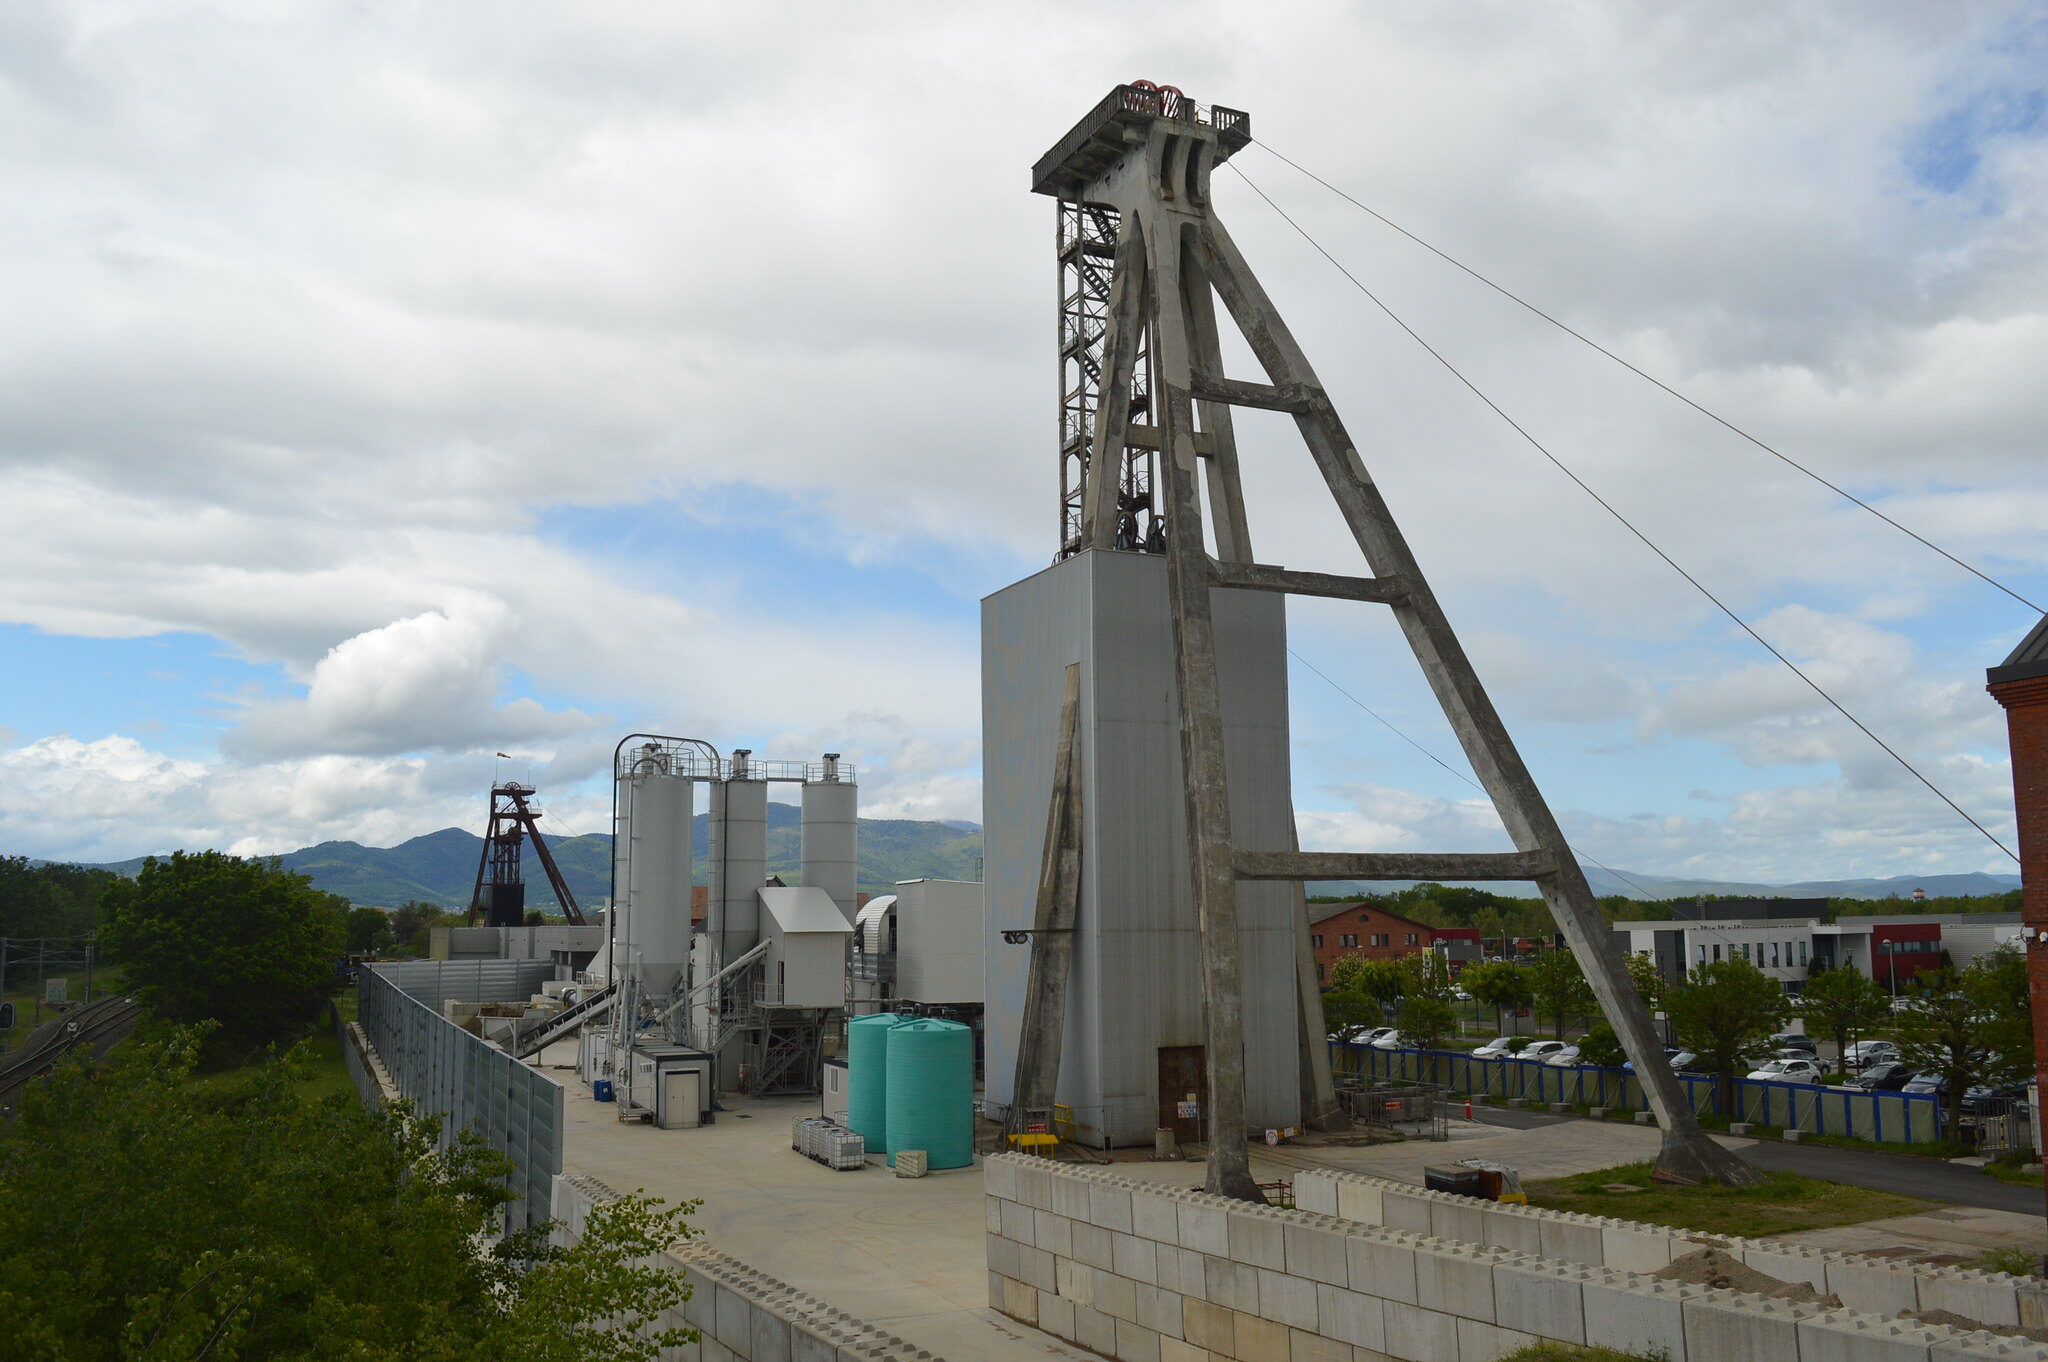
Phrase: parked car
(1497, 1048)
(1788, 1071)
(1992, 1101)
(1389, 1039)
(1374, 1036)
(1882, 1076)
(1562, 1057)
(1795, 1040)
(1672, 1056)
(1864, 1053)
(1927, 1083)
(1541, 1049)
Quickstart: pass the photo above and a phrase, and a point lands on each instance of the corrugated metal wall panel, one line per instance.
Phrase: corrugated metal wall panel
(1137, 981)
(445, 1070)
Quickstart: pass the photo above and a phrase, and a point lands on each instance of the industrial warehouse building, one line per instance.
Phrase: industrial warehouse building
(1797, 940)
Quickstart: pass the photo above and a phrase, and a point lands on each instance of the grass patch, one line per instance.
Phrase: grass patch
(1570, 1352)
(2014, 1262)
(2006, 1172)
(1784, 1204)
(1935, 1149)
(323, 1072)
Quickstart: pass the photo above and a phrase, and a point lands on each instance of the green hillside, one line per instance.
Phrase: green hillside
(440, 867)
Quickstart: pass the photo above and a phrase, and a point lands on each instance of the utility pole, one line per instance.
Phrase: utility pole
(1146, 430)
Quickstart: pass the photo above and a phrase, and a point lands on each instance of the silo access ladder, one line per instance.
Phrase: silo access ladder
(567, 1023)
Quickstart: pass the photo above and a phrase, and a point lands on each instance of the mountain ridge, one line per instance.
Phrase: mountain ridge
(440, 867)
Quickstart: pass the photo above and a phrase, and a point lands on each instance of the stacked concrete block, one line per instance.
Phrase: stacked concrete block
(741, 1315)
(1175, 1275)
(1987, 1297)
(1866, 1285)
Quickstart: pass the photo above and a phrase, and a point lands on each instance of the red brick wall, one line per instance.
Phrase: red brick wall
(1363, 921)
(2026, 720)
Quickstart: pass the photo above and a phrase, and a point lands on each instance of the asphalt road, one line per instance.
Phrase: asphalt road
(1934, 1179)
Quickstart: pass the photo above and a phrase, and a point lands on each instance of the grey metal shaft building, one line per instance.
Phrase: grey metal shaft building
(1134, 1029)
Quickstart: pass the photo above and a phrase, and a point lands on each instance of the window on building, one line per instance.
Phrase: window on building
(1348, 939)
(1319, 968)
(1717, 952)
(1413, 939)
(1703, 954)
(1745, 950)
(1802, 953)
(1318, 940)
(1365, 917)
(1379, 938)
(1774, 955)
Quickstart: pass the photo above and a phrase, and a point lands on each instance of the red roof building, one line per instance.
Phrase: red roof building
(1362, 931)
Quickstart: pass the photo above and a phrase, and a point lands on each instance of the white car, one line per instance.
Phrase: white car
(1376, 1035)
(1540, 1049)
(1391, 1040)
(1789, 1071)
(1867, 1052)
(1563, 1057)
(1497, 1048)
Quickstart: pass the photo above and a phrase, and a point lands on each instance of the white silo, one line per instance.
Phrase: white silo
(652, 869)
(830, 829)
(739, 858)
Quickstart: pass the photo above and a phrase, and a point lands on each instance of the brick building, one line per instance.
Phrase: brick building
(2020, 684)
(1363, 932)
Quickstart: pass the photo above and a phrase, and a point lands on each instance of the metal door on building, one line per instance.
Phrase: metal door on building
(682, 1099)
(1183, 1089)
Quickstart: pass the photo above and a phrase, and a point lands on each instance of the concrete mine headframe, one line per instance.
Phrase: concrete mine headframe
(1146, 411)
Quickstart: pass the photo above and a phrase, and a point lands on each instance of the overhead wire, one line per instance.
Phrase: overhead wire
(1389, 726)
(1626, 523)
(1707, 412)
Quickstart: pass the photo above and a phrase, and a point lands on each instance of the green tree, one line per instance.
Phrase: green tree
(146, 1215)
(1427, 1018)
(1964, 1026)
(1386, 982)
(1725, 1011)
(1349, 1014)
(49, 899)
(1649, 980)
(411, 922)
(1601, 1046)
(1559, 988)
(366, 930)
(240, 943)
(1498, 985)
(1841, 1003)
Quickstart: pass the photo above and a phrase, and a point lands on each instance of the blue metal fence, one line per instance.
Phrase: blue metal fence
(1905, 1118)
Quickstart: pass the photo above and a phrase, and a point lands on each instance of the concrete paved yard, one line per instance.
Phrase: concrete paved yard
(908, 1255)
(903, 1254)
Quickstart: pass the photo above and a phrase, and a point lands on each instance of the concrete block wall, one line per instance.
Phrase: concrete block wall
(1143, 1272)
(1877, 1286)
(742, 1315)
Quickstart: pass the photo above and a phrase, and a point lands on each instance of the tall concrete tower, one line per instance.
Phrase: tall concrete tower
(1165, 901)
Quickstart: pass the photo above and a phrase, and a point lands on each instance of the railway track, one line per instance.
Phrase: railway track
(99, 1024)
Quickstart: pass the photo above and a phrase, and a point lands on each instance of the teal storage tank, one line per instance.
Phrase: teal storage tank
(867, 1059)
(930, 1086)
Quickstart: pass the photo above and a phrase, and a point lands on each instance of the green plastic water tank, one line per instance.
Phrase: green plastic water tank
(867, 1059)
(930, 1086)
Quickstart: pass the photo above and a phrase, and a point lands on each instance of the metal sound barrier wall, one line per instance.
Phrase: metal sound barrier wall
(445, 1070)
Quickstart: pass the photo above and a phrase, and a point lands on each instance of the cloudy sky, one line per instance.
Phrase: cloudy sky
(389, 385)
